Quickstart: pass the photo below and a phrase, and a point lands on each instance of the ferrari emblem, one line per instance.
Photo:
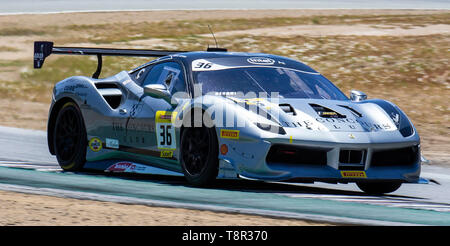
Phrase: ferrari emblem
(351, 136)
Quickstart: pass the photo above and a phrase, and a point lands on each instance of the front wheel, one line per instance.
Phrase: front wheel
(199, 155)
(378, 188)
(69, 138)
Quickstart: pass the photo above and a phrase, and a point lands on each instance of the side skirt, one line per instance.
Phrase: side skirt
(122, 166)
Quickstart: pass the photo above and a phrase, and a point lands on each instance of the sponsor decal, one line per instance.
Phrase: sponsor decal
(39, 55)
(345, 124)
(127, 167)
(121, 167)
(354, 174)
(165, 116)
(223, 149)
(165, 130)
(118, 127)
(325, 113)
(351, 136)
(205, 65)
(255, 101)
(225, 93)
(74, 87)
(95, 144)
(166, 154)
(261, 61)
(396, 118)
(112, 143)
(232, 134)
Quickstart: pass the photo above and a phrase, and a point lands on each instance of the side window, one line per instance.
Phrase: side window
(168, 73)
(139, 75)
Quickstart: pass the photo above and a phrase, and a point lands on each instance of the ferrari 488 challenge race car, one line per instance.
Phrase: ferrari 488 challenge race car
(218, 114)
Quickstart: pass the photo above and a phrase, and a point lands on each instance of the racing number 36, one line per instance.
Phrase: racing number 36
(166, 135)
(165, 131)
(204, 65)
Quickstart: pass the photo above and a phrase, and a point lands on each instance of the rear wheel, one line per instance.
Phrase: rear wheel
(69, 138)
(379, 188)
(199, 155)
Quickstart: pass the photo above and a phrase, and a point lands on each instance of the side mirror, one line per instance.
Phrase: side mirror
(158, 91)
(357, 96)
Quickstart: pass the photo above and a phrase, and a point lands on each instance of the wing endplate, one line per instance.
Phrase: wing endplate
(42, 49)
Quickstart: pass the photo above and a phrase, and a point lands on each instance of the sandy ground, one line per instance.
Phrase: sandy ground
(25, 47)
(33, 21)
(332, 30)
(27, 20)
(17, 209)
(24, 114)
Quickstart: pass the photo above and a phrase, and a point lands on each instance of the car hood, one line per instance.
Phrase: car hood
(323, 115)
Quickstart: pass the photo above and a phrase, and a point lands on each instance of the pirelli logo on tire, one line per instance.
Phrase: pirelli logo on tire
(231, 134)
(354, 174)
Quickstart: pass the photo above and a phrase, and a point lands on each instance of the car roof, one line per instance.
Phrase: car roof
(243, 57)
(237, 59)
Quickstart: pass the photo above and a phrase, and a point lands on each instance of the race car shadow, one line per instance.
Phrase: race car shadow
(292, 188)
(243, 185)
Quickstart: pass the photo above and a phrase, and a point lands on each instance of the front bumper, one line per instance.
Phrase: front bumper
(250, 159)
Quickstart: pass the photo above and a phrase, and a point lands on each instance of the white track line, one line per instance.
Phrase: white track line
(435, 175)
(380, 201)
(214, 208)
(40, 168)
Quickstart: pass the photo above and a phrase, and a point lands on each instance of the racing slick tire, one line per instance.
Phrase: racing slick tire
(378, 188)
(69, 138)
(199, 155)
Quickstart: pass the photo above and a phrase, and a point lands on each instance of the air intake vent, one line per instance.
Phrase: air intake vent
(351, 159)
(111, 93)
(297, 155)
(106, 85)
(216, 49)
(325, 112)
(396, 157)
(352, 110)
(287, 108)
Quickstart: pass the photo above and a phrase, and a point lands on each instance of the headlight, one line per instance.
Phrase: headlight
(271, 128)
(401, 121)
(399, 118)
(405, 126)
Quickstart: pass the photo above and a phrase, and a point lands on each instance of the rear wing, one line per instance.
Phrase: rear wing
(42, 49)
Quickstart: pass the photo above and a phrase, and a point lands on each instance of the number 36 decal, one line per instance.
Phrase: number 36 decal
(165, 131)
(205, 65)
(166, 135)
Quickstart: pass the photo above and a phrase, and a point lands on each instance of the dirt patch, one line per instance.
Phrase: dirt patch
(341, 30)
(435, 148)
(24, 114)
(30, 21)
(17, 209)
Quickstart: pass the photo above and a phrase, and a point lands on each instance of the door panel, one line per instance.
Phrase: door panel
(150, 132)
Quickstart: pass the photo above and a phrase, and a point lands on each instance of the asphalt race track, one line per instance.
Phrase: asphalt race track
(26, 166)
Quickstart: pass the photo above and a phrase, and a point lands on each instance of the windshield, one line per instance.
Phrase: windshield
(288, 83)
